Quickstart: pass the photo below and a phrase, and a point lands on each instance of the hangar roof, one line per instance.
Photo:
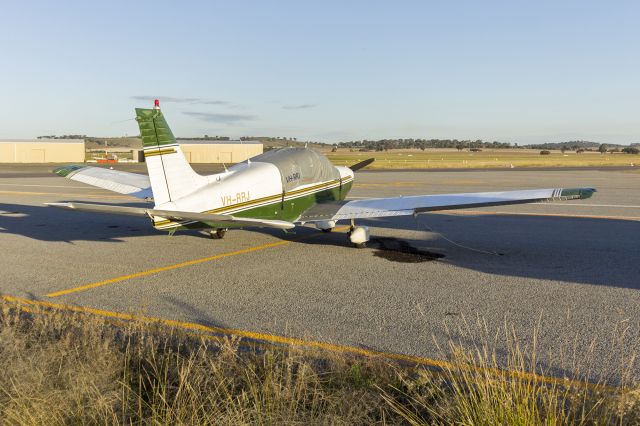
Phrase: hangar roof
(41, 140)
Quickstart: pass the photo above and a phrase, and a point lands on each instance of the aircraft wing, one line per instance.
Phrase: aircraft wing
(132, 184)
(401, 206)
(175, 215)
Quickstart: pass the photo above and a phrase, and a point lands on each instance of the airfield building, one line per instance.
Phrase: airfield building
(41, 150)
(219, 152)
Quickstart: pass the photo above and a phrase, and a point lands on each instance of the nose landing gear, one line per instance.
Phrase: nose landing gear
(218, 233)
(359, 235)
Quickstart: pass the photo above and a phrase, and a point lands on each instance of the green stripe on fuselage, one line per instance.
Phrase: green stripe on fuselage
(289, 210)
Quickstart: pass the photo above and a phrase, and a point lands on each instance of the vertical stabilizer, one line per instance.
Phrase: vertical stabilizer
(170, 174)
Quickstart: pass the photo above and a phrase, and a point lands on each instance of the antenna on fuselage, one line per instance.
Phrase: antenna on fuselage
(246, 152)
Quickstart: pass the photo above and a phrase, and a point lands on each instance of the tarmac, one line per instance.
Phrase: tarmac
(563, 277)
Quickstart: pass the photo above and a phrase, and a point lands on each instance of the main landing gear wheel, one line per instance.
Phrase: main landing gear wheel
(326, 225)
(218, 233)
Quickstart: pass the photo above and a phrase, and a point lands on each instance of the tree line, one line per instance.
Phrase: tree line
(386, 144)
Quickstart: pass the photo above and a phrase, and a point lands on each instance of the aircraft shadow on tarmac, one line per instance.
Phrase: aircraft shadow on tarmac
(579, 250)
(51, 224)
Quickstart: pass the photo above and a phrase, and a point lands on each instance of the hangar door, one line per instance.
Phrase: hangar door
(36, 156)
(224, 157)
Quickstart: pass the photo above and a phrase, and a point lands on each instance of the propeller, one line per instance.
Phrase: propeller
(362, 164)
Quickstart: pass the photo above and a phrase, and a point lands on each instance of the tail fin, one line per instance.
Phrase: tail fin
(170, 174)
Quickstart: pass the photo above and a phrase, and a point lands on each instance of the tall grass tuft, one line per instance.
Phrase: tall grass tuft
(73, 368)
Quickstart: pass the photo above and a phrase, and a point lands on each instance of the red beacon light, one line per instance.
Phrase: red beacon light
(156, 104)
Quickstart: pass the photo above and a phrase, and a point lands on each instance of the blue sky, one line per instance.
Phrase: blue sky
(517, 71)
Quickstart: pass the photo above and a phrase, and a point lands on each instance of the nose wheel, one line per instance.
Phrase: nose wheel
(218, 233)
(359, 235)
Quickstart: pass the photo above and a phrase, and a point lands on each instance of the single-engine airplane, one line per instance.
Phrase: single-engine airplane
(280, 188)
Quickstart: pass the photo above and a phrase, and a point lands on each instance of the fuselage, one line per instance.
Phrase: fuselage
(279, 184)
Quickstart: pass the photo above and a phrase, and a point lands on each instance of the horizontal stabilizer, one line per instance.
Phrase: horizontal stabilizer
(175, 215)
(132, 184)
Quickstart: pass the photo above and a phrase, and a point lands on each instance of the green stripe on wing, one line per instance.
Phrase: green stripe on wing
(66, 170)
(577, 193)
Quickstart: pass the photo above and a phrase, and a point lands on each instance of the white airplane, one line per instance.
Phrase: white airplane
(277, 189)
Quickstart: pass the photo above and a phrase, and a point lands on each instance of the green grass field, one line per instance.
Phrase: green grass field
(447, 159)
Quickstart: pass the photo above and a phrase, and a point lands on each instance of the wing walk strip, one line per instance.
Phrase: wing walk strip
(212, 332)
(181, 265)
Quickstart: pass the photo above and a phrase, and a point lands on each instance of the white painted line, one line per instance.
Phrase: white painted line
(569, 204)
(45, 186)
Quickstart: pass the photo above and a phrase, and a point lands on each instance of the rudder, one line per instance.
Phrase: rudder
(170, 174)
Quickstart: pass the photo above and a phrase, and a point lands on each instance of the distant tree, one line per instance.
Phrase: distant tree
(631, 150)
(563, 149)
(545, 152)
(459, 147)
(602, 149)
(579, 150)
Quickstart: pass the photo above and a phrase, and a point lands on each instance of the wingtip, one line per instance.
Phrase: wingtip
(65, 171)
(61, 205)
(578, 193)
(587, 193)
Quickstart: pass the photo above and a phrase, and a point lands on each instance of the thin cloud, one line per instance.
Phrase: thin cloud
(300, 106)
(220, 118)
(180, 100)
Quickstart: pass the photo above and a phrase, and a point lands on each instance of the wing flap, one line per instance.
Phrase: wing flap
(401, 206)
(133, 184)
(175, 215)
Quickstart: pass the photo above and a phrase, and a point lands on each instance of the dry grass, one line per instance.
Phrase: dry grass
(499, 158)
(74, 368)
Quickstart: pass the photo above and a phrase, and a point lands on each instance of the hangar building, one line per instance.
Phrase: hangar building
(41, 150)
(227, 152)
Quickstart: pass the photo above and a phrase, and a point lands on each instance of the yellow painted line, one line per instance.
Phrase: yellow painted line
(178, 265)
(583, 216)
(164, 268)
(293, 341)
